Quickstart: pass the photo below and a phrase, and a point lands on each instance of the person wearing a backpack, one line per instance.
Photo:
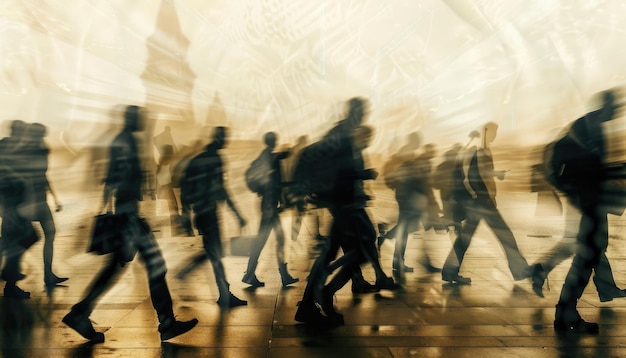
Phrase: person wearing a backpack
(578, 170)
(479, 183)
(270, 191)
(203, 190)
(351, 229)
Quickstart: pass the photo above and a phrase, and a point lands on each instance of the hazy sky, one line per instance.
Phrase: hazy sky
(442, 66)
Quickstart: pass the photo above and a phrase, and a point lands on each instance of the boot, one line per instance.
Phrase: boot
(285, 276)
(567, 319)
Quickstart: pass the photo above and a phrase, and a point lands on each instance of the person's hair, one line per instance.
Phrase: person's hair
(269, 139)
(18, 127)
(220, 133)
(37, 130)
(131, 118)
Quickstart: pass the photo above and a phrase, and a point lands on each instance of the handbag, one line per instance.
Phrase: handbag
(106, 234)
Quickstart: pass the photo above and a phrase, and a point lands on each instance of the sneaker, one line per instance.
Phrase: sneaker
(231, 301)
(252, 280)
(176, 328)
(13, 291)
(82, 325)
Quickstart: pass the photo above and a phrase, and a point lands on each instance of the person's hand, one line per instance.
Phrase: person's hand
(242, 221)
(500, 175)
(371, 174)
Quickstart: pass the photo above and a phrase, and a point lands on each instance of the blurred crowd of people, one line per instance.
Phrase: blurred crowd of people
(324, 178)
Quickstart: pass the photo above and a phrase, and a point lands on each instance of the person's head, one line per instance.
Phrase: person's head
(133, 121)
(356, 110)
(220, 136)
(18, 128)
(609, 103)
(302, 140)
(167, 153)
(430, 150)
(38, 130)
(270, 139)
(489, 133)
(414, 140)
(363, 137)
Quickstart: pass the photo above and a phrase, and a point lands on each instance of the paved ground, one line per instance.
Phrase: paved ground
(494, 317)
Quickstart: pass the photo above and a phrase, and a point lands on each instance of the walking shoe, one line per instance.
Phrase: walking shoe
(387, 283)
(288, 280)
(403, 269)
(309, 313)
(539, 277)
(54, 280)
(285, 277)
(578, 326)
(252, 280)
(231, 301)
(176, 328)
(81, 324)
(364, 287)
(456, 279)
(13, 291)
(615, 293)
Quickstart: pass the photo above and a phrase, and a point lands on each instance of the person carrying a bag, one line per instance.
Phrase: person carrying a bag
(123, 182)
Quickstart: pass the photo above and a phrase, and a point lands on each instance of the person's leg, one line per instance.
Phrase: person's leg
(285, 277)
(465, 232)
(49, 230)
(590, 248)
(265, 227)
(160, 295)
(605, 282)
(78, 317)
(212, 242)
(517, 263)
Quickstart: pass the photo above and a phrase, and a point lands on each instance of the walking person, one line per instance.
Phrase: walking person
(32, 155)
(271, 199)
(339, 155)
(479, 174)
(576, 167)
(123, 182)
(202, 190)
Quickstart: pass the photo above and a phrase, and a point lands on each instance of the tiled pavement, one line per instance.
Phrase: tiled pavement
(494, 317)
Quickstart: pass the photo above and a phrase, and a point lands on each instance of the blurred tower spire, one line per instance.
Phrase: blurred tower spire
(168, 77)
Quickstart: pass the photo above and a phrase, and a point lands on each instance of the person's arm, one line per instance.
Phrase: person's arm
(233, 208)
(466, 164)
(57, 203)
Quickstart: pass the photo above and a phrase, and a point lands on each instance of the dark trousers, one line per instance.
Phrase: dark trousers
(353, 231)
(478, 210)
(270, 220)
(150, 253)
(592, 243)
(208, 224)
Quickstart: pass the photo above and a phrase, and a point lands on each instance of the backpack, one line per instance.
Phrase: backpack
(315, 174)
(392, 172)
(258, 174)
(194, 182)
(459, 191)
(569, 165)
